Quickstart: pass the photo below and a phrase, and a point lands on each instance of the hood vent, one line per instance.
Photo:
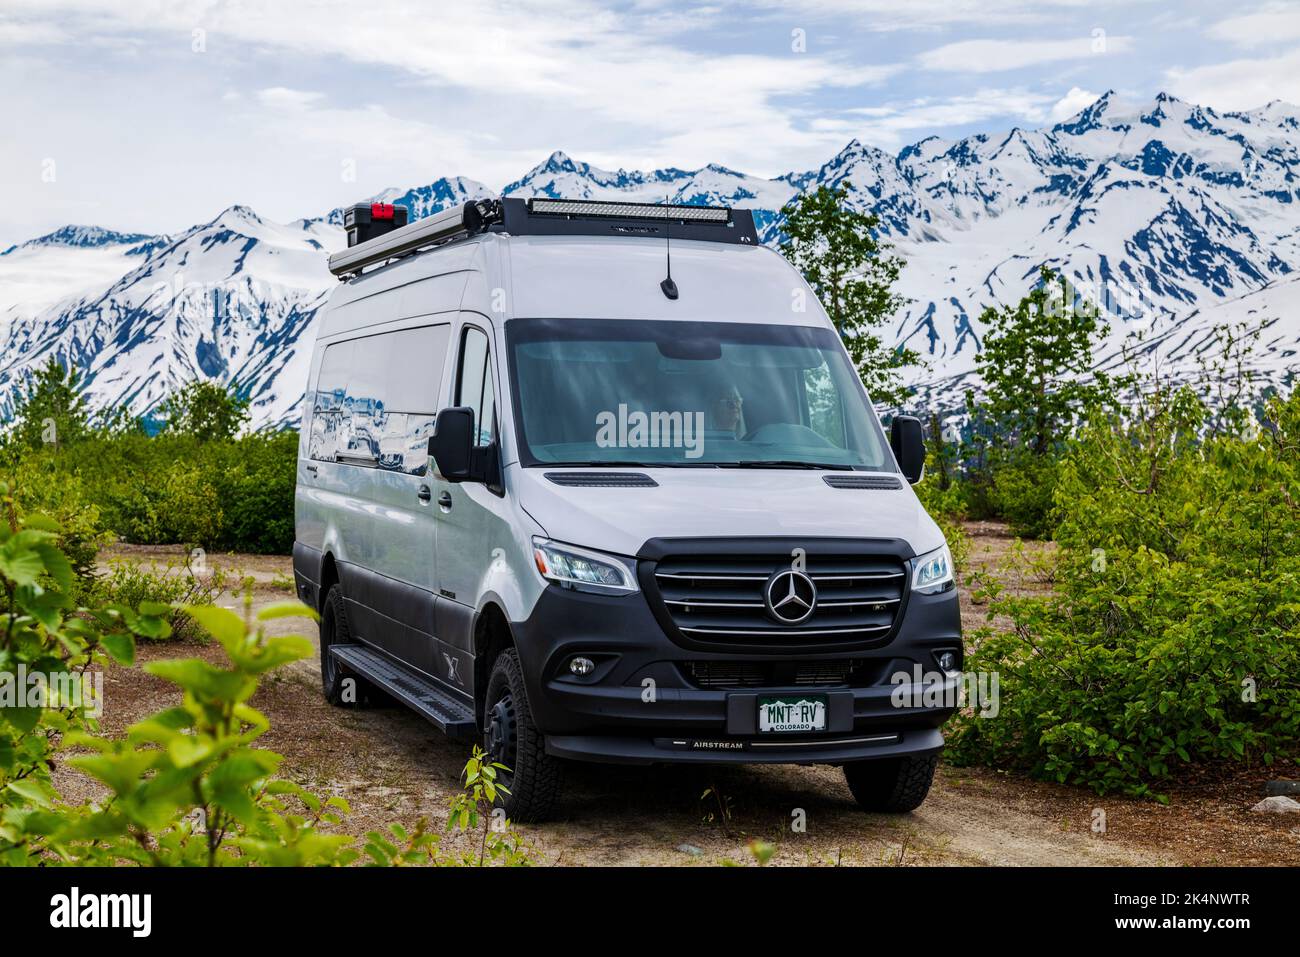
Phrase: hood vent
(602, 479)
(862, 481)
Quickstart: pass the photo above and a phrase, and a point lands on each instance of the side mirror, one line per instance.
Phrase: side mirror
(451, 443)
(908, 443)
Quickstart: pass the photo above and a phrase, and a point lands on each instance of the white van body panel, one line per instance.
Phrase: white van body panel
(708, 503)
(581, 278)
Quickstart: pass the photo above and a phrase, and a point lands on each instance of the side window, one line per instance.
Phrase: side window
(474, 383)
(376, 398)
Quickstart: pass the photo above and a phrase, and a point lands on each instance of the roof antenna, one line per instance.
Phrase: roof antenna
(668, 286)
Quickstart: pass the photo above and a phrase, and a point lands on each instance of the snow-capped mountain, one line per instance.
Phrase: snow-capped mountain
(228, 300)
(1174, 218)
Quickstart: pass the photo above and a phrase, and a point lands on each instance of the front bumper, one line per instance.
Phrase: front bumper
(641, 705)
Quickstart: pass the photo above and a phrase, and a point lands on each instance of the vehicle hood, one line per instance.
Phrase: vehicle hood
(720, 503)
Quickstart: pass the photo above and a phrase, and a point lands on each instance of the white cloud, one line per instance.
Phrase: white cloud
(23, 33)
(991, 56)
(1239, 84)
(1272, 23)
(283, 98)
(1074, 101)
(934, 15)
(578, 55)
(894, 124)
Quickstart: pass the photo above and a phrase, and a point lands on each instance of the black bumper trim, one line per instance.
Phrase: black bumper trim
(716, 750)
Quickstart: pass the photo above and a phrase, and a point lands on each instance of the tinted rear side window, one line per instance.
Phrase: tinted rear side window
(376, 399)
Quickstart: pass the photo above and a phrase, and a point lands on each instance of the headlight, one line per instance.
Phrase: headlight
(932, 572)
(584, 570)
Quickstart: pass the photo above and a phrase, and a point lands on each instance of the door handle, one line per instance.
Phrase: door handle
(311, 469)
(444, 500)
(424, 494)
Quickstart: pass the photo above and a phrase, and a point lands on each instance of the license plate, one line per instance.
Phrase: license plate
(792, 713)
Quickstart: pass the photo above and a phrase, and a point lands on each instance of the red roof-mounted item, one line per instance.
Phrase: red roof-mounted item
(367, 220)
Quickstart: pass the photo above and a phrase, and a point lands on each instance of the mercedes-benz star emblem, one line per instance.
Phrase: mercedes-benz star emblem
(790, 596)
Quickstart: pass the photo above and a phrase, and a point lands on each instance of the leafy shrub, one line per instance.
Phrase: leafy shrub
(1022, 490)
(133, 585)
(234, 495)
(187, 785)
(205, 411)
(256, 488)
(65, 499)
(1171, 637)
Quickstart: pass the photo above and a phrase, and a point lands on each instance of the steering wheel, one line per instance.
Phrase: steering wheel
(788, 433)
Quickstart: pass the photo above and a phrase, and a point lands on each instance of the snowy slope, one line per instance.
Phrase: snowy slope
(229, 299)
(38, 273)
(1173, 217)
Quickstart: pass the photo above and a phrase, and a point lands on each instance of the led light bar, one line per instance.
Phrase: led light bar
(468, 218)
(605, 210)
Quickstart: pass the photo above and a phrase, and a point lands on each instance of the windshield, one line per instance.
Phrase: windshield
(638, 392)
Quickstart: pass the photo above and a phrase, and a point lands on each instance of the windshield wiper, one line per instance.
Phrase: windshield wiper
(781, 464)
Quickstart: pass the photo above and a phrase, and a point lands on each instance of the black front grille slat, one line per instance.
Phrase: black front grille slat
(779, 674)
(719, 599)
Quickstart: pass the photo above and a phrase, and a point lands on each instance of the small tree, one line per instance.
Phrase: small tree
(1037, 364)
(52, 410)
(848, 267)
(204, 410)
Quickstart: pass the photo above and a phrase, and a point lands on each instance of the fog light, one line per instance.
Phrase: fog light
(947, 660)
(581, 666)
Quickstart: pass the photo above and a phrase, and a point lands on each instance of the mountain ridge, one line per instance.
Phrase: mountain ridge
(1162, 211)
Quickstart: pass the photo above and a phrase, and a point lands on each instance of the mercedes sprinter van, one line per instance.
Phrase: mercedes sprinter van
(598, 482)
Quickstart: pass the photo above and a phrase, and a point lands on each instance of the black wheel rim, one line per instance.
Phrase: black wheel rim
(501, 736)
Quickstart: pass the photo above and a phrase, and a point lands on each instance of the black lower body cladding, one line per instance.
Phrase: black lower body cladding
(650, 699)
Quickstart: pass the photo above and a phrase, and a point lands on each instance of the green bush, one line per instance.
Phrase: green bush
(1022, 490)
(133, 585)
(1172, 638)
(65, 499)
(226, 495)
(187, 785)
(256, 487)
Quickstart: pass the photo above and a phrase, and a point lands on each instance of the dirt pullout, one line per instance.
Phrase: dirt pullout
(393, 767)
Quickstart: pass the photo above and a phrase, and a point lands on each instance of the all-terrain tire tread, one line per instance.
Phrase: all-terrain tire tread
(894, 785)
(342, 635)
(533, 793)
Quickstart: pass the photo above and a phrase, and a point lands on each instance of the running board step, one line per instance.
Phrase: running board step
(453, 718)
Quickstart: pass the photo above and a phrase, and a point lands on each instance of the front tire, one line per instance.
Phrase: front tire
(341, 687)
(511, 738)
(891, 785)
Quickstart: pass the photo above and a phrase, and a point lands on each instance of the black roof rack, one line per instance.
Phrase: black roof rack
(551, 217)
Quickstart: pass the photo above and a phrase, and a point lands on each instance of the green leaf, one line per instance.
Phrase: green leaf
(287, 609)
(221, 623)
(30, 789)
(120, 647)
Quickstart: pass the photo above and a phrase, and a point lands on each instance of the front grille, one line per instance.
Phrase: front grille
(719, 599)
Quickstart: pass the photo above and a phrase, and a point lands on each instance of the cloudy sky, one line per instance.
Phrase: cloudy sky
(153, 116)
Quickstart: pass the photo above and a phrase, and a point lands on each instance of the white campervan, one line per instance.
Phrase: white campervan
(584, 482)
